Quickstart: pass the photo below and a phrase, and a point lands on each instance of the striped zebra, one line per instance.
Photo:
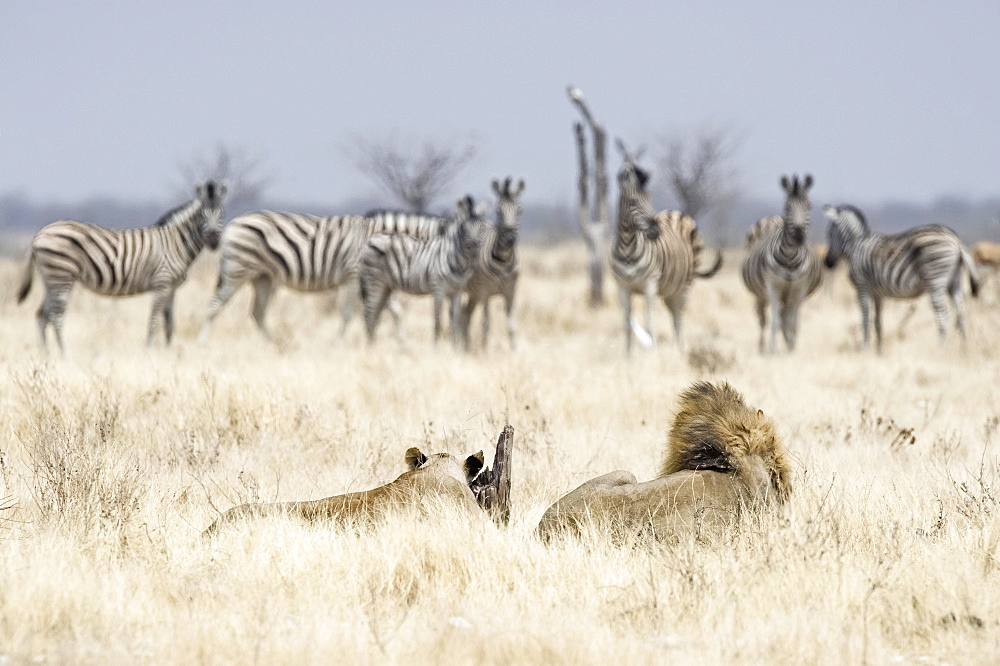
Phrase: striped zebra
(496, 269)
(304, 253)
(654, 254)
(780, 268)
(927, 259)
(440, 266)
(123, 263)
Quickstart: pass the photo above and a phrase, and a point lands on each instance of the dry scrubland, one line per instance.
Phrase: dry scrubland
(115, 460)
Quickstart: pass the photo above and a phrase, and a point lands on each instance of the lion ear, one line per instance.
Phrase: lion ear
(760, 412)
(414, 458)
(474, 465)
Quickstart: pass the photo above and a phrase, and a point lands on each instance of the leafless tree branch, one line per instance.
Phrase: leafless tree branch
(593, 227)
(414, 177)
(236, 166)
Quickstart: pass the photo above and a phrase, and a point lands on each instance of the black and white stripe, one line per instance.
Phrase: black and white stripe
(123, 263)
(440, 266)
(304, 253)
(496, 267)
(654, 254)
(780, 268)
(927, 260)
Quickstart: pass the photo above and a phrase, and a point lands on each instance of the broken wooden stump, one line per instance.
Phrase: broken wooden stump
(492, 486)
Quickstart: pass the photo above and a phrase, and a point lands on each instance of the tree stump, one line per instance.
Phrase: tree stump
(492, 486)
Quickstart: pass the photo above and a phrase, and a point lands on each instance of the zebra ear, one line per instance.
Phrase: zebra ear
(496, 187)
(807, 182)
(199, 191)
(223, 188)
(786, 185)
(519, 188)
(622, 149)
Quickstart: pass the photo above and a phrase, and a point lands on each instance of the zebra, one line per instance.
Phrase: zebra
(654, 254)
(126, 262)
(440, 266)
(780, 268)
(496, 268)
(926, 259)
(305, 253)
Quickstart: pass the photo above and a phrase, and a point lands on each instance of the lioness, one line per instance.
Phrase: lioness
(722, 457)
(439, 475)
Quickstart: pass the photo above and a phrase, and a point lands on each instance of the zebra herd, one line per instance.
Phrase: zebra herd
(372, 256)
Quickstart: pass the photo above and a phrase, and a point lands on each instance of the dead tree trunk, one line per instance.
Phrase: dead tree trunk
(593, 225)
(492, 486)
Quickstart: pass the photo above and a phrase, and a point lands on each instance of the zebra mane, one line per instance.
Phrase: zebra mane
(176, 214)
(857, 213)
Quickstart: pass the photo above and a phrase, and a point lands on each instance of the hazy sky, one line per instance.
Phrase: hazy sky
(889, 100)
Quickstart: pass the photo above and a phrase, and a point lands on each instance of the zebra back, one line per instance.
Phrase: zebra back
(903, 265)
(131, 261)
(308, 252)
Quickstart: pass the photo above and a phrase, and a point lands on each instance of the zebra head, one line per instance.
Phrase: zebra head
(847, 226)
(210, 195)
(797, 206)
(633, 198)
(508, 202)
(469, 222)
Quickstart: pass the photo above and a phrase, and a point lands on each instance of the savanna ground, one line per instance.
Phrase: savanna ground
(115, 460)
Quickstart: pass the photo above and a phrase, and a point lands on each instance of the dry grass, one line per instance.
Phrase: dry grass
(118, 458)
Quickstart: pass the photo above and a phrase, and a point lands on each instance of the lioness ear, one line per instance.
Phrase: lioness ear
(760, 412)
(474, 465)
(414, 458)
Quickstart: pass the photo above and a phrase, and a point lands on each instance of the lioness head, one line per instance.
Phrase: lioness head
(445, 463)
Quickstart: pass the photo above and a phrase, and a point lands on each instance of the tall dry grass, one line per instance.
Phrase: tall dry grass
(113, 461)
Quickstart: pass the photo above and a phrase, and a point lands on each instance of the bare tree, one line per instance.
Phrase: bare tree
(593, 225)
(241, 171)
(701, 174)
(414, 176)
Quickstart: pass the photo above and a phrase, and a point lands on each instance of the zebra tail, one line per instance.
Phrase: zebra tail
(26, 278)
(644, 339)
(714, 269)
(970, 266)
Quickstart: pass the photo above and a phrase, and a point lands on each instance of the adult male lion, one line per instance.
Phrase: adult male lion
(722, 458)
(437, 476)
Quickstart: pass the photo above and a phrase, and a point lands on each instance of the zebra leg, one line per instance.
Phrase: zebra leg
(957, 302)
(351, 292)
(455, 317)
(676, 307)
(438, 303)
(762, 320)
(625, 296)
(940, 314)
(374, 296)
(863, 299)
(775, 302)
(650, 293)
(877, 302)
(51, 312)
(263, 289)
(508, 304)
(223, 292)
(790, 323)
(486, 321)
(160, 298)
(396, 310)
(168, 316)
(470, 308)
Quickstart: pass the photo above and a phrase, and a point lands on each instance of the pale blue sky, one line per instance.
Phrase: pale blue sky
(890, 100)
